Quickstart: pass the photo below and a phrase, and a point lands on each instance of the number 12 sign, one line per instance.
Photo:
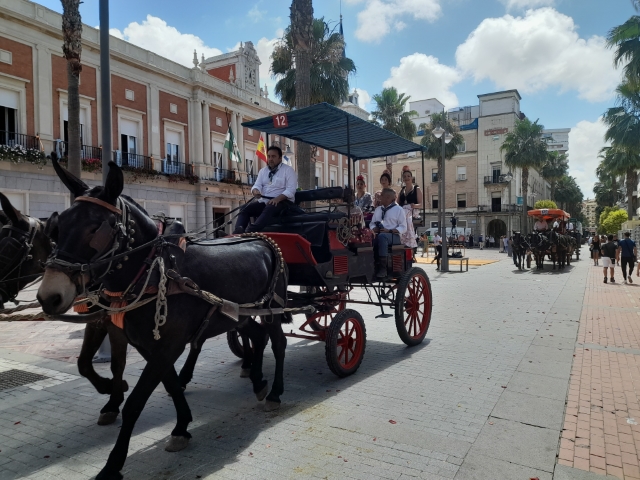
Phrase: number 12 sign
(280, 120)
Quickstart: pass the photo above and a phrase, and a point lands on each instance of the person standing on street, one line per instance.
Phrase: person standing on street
(627, 254)
(470, 241)
(609, 254)
(481, 242)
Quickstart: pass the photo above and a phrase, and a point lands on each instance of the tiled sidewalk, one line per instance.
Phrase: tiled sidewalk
(601, 432)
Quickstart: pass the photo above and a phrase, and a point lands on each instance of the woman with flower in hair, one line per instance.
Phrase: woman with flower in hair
(385, 182)
(409, 199)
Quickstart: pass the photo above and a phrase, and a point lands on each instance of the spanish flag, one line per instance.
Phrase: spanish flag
(261, 151)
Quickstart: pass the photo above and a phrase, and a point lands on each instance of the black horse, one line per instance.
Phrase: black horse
(94, 231)
(540, 245)
(520, 248)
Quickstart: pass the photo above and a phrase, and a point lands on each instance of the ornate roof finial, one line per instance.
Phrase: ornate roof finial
(266, 91)
(232, 79)
(195, 59)
(202, 63)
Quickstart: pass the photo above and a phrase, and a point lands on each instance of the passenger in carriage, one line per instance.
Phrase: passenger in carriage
(363, 198)
(385, 182)
(275, 190)
(389, 222)
(541, 225)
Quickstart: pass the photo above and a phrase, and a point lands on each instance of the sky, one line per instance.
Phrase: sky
(552, 51)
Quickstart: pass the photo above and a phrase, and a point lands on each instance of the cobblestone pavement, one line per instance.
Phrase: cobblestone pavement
(482, 398)
(601, 431)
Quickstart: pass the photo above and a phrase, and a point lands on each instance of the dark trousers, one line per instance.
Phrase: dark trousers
(262, 212)
(382, 242)
(624, 261)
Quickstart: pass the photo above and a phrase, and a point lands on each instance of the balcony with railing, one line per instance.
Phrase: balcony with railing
(13, 139)
(174, 167)
(500, 208)
(495, 179)
(231, 176)
(86, 151)
(133, 160)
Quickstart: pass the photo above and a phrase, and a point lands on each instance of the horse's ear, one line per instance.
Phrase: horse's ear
(114, 183)
(76, 186)
(14, 216)
(51, 227)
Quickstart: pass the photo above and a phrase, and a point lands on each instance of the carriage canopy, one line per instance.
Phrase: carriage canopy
(549, 214)
(328, 127)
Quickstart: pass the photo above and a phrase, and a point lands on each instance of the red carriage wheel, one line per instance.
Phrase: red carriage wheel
(326, 310)
(345, 342)
(413, 306)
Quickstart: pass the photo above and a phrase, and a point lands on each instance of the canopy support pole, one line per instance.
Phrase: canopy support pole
(349, 166)
(424, 214)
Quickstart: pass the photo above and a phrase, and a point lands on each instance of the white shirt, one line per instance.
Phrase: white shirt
(437, 240)
(505, 240)
(541, 225)
(556, 224)
(283, 182)
(570, 226)
(394, 219)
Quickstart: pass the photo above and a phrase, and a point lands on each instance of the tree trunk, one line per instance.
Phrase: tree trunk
(631, 186)
(302, 37)
(72, 48)
(525, 192)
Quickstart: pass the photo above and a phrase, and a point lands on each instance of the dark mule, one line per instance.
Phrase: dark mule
(539, 247)
(559, 247)
(92, 232)
(24, 247)
(520, 247)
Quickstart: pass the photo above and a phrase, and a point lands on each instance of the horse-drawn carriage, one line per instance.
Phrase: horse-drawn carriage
(555, 243)
(329, 252)
(107, 251)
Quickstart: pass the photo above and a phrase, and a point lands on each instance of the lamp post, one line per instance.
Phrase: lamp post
(446, 138)
(507, 178)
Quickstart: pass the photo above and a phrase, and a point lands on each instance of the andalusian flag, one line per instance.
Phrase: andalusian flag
(232, 147)
(261, 151)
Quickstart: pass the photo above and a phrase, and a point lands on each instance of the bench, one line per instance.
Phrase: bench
(462, 261)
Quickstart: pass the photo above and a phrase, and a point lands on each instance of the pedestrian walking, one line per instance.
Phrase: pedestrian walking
(470, 241)
(480, 242)
(595, 250)
(627, 254)
(509, 242)
(492, 241)
(609, 254)
(505, 241)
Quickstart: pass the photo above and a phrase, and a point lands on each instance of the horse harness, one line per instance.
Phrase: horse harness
(109, 239)
(15, 249)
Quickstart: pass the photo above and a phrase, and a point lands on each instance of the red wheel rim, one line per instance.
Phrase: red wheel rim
(350, 343)
(417, 305)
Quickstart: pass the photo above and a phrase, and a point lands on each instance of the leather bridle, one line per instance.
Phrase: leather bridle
(112, 242)
(15, 250)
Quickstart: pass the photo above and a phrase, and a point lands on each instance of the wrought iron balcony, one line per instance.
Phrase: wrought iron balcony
(133, 160)
(13, 139)
(489, 179)
(500, 208)
(86, 151)
(173, 167)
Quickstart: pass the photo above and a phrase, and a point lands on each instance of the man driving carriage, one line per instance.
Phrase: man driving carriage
(389, 222)
(274, 189)
(541, 225)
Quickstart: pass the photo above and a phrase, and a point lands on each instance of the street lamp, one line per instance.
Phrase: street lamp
(439, 132)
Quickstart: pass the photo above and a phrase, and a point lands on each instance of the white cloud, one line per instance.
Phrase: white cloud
(585, 141)
(525, 4)
(155, 35)
(265, 47)
(255, 14)
(538, 51)
(423, 76)
(378, 17)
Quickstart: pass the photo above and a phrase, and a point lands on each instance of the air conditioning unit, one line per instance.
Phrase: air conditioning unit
(462, 176)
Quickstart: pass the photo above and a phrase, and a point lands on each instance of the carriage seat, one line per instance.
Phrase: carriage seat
(329, 193)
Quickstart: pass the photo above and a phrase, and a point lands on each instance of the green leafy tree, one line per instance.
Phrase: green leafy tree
(545, 204)
(569, 195)
(524, 149)
(434, 145)
(611, 220)
(625, 40)
(554, 168)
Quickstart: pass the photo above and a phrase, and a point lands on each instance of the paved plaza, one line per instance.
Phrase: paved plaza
(523, 375)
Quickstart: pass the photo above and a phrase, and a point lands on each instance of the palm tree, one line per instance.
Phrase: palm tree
(72, 48)
(524, 149)
(330, 69)
(623, 122)
(569, 194)
(391, 113)
(302, 42)
(625, 39)
(434, 145)
(556, 166)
